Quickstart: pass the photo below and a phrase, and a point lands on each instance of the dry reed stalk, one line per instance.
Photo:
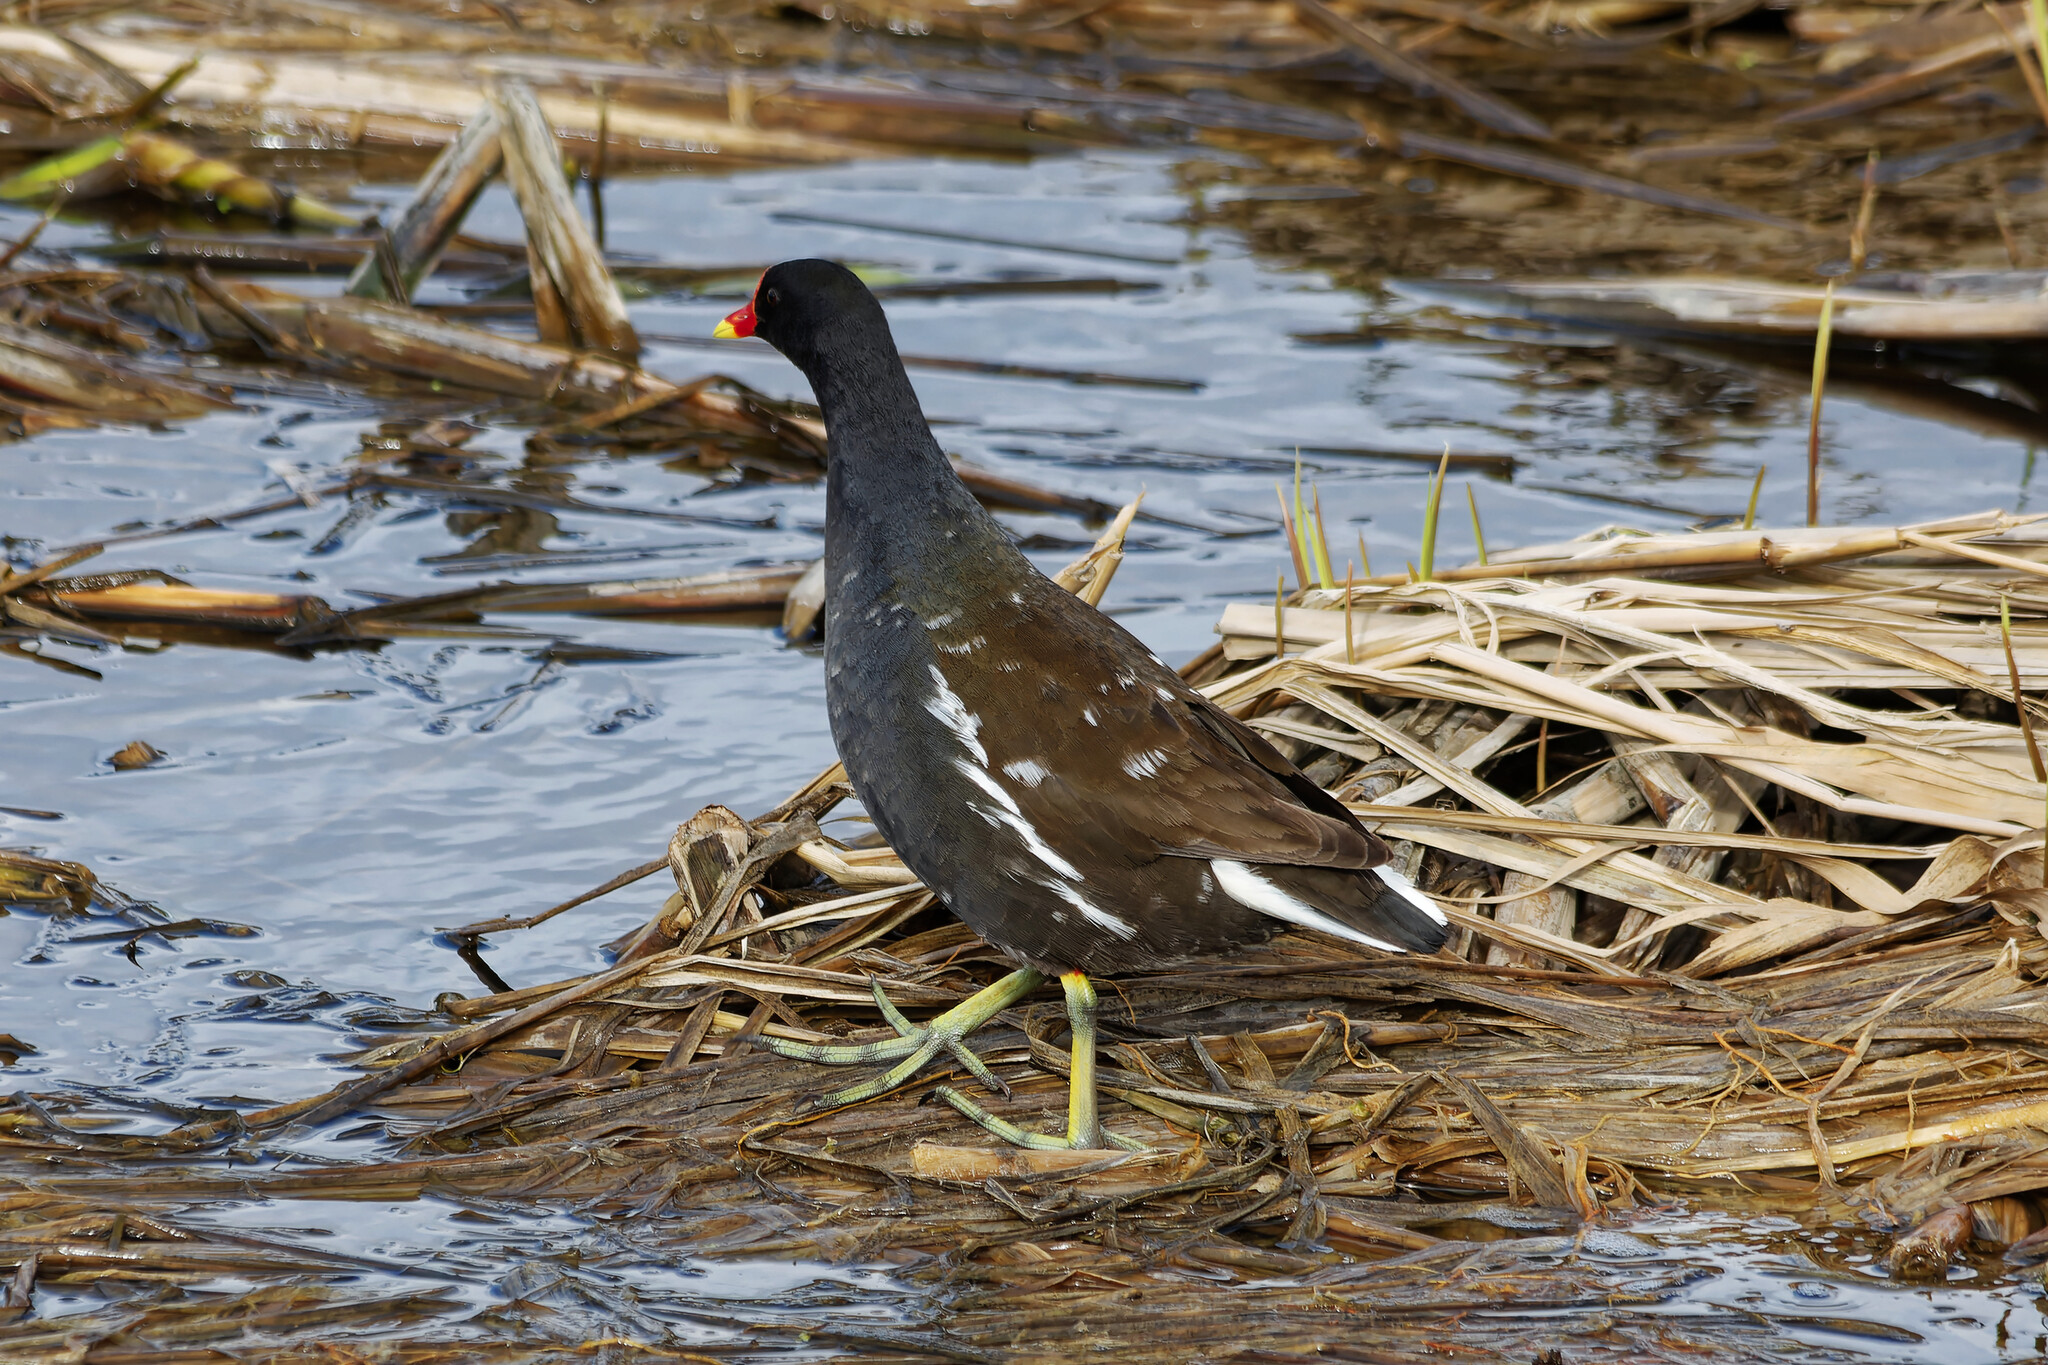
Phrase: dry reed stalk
(1710, 642)
(1822, 337)
(573, 293)
(1377, 46)
(1859, 236)
(434, 214)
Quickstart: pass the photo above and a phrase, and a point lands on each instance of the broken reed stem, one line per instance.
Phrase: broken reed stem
(601, 163)
(431, 218)
(1859, 236)
(2002, 216)
(1293, 540)
(15, 582)
(1280, 617)
(502, 925)
(2030, 70)
(576, 302)
(2019, 701)
(28, 239)
(1820, 376)
(1756, 489)
(2037, 10)
(1430, 511)
(1350, 652)
(1478, 535)
(341, 1099)
(391, 269)
(147, 104)
(1542, 757)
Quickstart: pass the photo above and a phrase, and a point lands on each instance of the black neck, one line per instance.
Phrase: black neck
(886, 472)
(870, 405)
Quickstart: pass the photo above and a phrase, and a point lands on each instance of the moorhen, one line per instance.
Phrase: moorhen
(1069, 796)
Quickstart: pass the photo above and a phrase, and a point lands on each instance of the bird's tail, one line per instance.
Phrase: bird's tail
(1377, 907)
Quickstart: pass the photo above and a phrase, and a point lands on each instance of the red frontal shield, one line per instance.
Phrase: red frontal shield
(739, 323)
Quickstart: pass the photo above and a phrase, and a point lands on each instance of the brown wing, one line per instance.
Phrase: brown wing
(1325, 815)
(1114, 747)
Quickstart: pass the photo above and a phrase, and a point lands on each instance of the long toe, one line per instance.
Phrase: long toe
(841, 1054)
(916, 1045)
(899, 1074)
(1002, 1128)
(1024, 1137)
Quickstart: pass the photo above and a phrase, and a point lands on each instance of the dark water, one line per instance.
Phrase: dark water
(344, 805)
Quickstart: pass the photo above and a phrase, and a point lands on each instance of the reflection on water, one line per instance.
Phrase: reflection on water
(345, 803)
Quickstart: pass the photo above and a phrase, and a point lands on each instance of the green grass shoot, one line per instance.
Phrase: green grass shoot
(1326, 577)
(51, 173)
(1478, 535)
(1430, 511)
(1756, 490)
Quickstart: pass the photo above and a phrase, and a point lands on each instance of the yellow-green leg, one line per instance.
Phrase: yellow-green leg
(1084, 1131)
(917, 1044)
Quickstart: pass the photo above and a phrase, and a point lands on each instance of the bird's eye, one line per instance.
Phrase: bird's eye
(774, 296)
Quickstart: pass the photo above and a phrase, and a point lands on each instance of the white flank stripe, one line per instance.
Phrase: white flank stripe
(1247, 887)
(1014, 818)
(1408, 893)
(954, 715)
(1091, 912)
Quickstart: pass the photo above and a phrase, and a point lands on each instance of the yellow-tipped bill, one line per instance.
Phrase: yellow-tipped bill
(738, 323)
